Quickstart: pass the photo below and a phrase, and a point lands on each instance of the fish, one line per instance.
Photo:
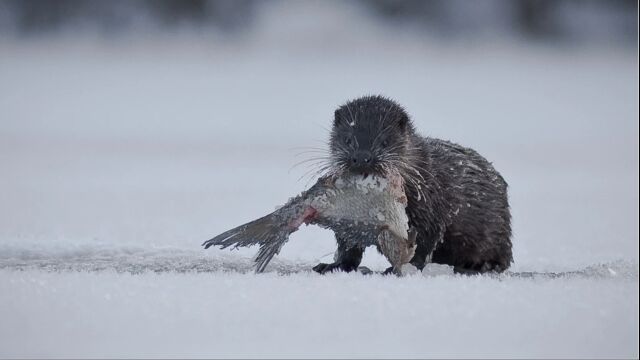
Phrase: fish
(363, 209)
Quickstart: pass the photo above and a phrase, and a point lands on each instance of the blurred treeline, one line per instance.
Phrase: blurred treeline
(573, 20)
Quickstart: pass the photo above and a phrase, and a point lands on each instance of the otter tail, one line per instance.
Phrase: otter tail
(268, 232)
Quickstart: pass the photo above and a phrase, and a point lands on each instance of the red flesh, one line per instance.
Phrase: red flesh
(306, 217)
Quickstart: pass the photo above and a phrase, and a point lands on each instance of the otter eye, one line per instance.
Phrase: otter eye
(385, 143)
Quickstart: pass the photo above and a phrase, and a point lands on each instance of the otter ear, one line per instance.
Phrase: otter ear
(403, 122)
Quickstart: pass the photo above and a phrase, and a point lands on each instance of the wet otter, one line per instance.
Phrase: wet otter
(457, 201)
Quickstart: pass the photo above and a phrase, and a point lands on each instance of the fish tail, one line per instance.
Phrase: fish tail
(268, 232)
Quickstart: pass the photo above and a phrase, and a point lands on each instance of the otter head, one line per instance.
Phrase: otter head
(370, 135)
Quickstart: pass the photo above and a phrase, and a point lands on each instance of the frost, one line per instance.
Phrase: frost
(409, 269)
(437, 270)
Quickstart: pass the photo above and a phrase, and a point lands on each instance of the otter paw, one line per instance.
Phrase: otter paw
(323, 268)
(390, 271)
(479, 268)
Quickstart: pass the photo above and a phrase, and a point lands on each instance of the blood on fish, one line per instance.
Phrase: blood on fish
(306, 217)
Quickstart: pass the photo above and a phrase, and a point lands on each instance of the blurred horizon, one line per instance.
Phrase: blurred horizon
(586, 22)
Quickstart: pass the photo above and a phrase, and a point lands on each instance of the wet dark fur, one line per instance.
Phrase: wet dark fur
(457, 200)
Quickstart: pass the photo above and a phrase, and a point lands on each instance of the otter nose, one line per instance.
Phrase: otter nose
(361, 158)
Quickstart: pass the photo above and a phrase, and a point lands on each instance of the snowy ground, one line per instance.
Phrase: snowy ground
(118, 158)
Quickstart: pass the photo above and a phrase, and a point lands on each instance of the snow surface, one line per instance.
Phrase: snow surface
(342, 315)
(119, 157)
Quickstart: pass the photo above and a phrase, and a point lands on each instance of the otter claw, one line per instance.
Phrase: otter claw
(389, 271)
(323, 268)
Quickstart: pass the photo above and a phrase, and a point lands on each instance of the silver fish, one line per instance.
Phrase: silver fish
(364, 210)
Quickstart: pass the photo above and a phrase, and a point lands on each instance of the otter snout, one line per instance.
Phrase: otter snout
(362, 161)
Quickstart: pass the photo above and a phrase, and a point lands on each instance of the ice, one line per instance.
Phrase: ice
(437, 270)
(118, 158)
(220, 314)
(409, 269)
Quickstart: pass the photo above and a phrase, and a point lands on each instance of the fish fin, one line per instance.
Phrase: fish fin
(268, 250)
(267, 232)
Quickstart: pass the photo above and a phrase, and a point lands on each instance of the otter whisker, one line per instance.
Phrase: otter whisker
(312, 162)
(312, 173)
(320, 173)
(312, 159)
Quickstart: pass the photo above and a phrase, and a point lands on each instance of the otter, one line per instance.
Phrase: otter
(457, 201)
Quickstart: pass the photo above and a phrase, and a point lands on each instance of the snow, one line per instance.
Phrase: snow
(341, 315)
(119, 157)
